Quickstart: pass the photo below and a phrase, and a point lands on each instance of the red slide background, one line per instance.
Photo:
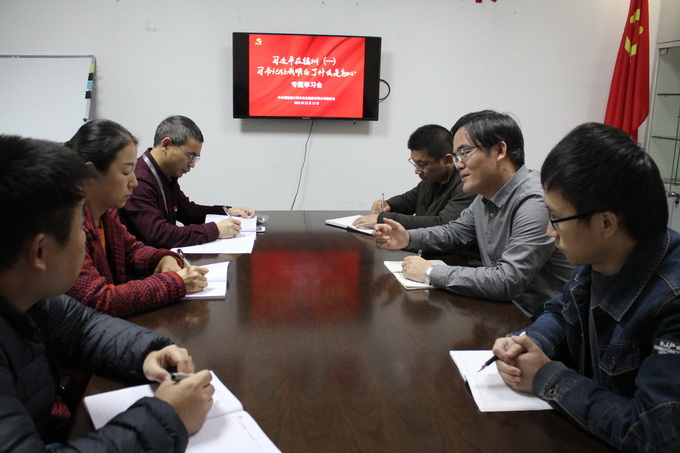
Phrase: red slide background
(265, 90)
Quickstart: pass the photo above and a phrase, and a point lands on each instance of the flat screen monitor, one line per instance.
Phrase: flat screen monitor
(306, 76)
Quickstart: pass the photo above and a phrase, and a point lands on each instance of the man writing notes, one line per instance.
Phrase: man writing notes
(157, 203)
(606, 351)
(43, 245)
(438, 198)
(506, 221)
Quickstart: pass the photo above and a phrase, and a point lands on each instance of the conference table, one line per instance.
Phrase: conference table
(329, 353)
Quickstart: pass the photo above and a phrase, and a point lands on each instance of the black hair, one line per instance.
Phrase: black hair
(486, 128)
(432, 139)
(599, 168)
(179, 129)
(99, 142)
(40, 186)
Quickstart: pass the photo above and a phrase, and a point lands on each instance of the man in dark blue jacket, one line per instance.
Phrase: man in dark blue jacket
(606, 351)
(42, 244)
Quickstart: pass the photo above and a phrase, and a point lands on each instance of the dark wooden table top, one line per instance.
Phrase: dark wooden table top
(330, 354)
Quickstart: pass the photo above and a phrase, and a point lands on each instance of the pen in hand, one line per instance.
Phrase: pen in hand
(177, 376)
(494, 358)
(184, 258)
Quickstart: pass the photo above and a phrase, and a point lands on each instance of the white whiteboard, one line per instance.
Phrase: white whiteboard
(45, 96)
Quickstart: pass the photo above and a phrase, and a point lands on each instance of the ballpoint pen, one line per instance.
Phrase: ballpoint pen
(184, 258)
(494, 358)
(420, 253)
(177, 376)
(382, 203)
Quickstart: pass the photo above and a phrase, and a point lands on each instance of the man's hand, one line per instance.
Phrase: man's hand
(391, 235)
(167, 264)
(366, 221)
(240, 211)
(191, 398)
(378, 207)
(194, 278)
(228, 228)
(157, 363)
(519, 363)
(414, 267)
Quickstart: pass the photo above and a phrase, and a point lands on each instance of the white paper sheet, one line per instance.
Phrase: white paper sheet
(227, 428)
(488, 389)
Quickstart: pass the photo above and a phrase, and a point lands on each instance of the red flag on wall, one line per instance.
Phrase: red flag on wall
(628, 104)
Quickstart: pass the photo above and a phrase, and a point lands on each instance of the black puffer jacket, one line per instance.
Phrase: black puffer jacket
(64, 332)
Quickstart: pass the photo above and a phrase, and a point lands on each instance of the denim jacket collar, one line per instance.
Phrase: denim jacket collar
(634, 274)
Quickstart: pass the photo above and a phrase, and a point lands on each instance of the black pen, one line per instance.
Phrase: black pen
(184, 258)
(177, 376)
(494, 358)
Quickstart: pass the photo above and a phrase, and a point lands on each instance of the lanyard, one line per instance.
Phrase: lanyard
(158, 180)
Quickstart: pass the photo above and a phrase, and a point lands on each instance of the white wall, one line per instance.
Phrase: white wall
(548, 62)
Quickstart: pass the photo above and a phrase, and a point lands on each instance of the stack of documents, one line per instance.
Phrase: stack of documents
(227, 428)
(488, 389)
(240, 244)
(247, 225)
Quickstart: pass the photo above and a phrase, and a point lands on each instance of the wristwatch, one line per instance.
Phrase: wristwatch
(428, 271)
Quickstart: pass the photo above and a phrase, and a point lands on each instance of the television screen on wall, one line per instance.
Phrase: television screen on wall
(306, 76)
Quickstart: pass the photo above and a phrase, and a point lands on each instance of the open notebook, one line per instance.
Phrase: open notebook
(346, 222)
(488, 389)
(395, 268)
(227, 428)
(217, 282)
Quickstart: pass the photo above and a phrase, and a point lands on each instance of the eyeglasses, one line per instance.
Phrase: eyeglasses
(420, 166)
(463, 153)
(193, 157)
(554, 222)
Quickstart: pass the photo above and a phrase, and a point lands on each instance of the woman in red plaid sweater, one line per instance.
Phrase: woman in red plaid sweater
(120, 275)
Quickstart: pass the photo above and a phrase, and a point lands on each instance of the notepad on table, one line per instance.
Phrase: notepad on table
(395, 268)
(227, 428)
(217, 282)
(488, 389)
(346, 222)
(247, 225)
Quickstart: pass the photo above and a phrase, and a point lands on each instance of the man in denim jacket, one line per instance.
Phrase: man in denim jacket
(606, 352)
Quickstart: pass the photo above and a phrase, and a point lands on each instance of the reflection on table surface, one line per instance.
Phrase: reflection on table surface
(330, 354)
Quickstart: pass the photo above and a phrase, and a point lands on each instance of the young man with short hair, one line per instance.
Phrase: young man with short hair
(606, 351)
(43, 246)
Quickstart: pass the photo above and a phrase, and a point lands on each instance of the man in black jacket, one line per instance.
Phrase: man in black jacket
(438, 198)
(42, 245)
